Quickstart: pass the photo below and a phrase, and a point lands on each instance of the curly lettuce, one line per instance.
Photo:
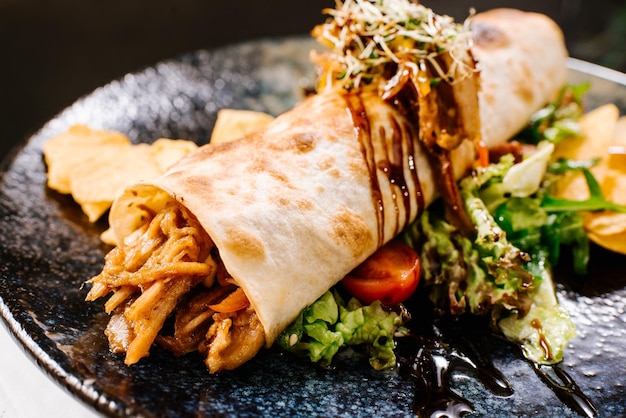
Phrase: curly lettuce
(331, 323)
(504, 269)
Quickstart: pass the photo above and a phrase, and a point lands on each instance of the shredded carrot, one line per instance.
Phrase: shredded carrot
(232, 303)
(483, 154)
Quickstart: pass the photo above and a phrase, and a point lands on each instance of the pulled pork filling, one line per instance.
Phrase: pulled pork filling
(169, 271)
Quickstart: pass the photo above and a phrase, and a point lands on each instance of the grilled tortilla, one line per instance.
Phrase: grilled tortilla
(521, 57)
(290, 209)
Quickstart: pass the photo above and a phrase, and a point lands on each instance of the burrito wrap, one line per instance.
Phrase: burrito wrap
(292, 208)
(296, 206)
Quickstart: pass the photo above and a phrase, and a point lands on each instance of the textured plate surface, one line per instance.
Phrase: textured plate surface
(47, 250)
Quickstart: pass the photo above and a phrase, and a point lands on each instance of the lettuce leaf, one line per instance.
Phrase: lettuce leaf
(504, 269)
(330, 324)
(544, 332)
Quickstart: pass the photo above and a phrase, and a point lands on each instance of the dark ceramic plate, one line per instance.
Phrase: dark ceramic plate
(48, 249)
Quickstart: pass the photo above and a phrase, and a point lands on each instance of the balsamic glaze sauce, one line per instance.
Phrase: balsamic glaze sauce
(565, 389)
(439, 349)
(392, 159)
(361, 124)
(432, 359)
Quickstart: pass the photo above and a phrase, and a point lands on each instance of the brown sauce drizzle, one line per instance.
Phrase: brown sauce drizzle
(362, 126)
(437, 352)
(447, 187)
(536, 324)
(393, 166)
(566, 389)
(445, 118)
(439, 349)
(399, 146)
(559, 381)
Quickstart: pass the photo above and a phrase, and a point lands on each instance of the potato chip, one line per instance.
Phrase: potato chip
(602, 132)
(617, 148)
(99, 179)
(233, 123)
(606, 223)
(230, 124)
(168, 151)
(597, 129)
(95, 166)
(607, 229)
(70, 148)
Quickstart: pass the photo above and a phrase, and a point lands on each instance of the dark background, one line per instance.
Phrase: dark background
(54, 52)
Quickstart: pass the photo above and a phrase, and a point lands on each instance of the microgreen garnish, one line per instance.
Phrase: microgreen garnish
(368, 35)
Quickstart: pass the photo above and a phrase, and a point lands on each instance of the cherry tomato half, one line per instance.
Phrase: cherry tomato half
(390, 275)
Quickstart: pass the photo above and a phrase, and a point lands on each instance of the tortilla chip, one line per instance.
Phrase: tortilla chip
(70, 148)
(602, 133)
(233, 123)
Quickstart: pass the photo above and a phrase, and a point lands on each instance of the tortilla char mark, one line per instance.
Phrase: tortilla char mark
(350, 231)
(489, 37)
(244, 243)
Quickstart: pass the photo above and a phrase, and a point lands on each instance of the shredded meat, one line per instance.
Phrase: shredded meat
(232, 339)
(165, 270)
(193, 319)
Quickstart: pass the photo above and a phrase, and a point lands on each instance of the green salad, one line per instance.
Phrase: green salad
(503, 270)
